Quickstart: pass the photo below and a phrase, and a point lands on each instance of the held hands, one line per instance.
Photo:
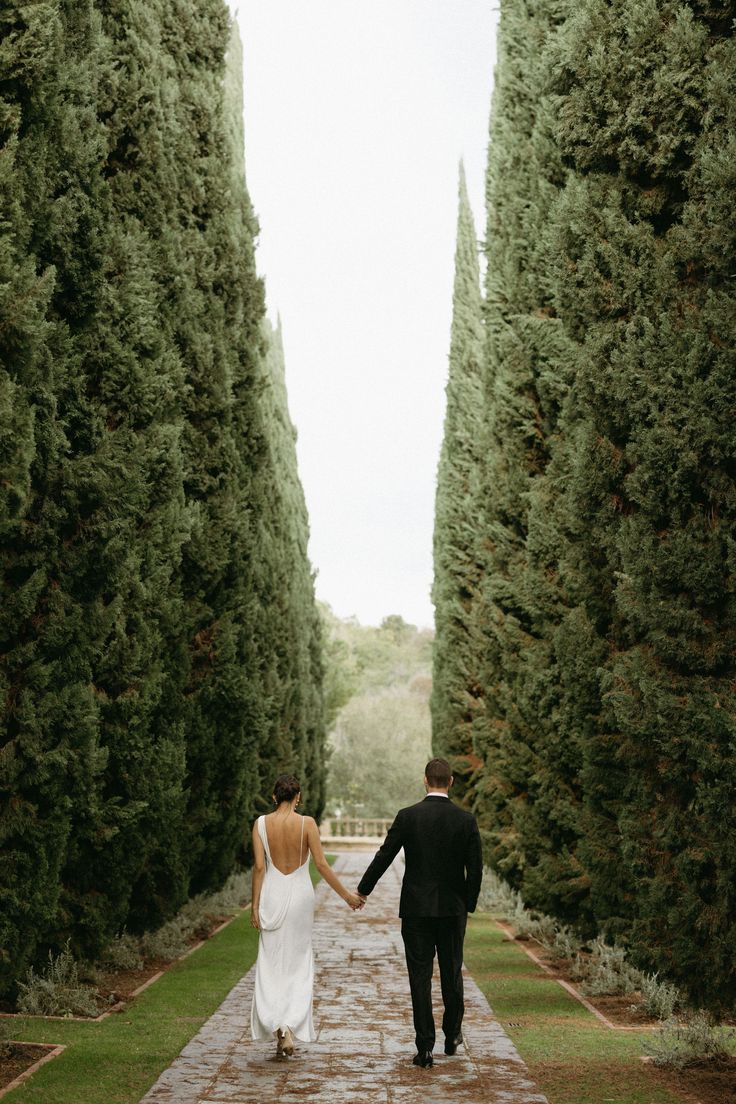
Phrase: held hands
(355, 901)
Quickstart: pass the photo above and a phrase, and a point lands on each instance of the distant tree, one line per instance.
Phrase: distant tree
(397, 628)
(373, 658)
(380, 746)
(379, 679)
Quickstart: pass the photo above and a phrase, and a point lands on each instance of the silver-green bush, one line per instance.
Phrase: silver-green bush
(690, 1041)
(58, 991)
(497, 896)
(659, 998)
(605, 972)
(123, 953)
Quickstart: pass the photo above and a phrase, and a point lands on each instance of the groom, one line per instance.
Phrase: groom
(441, 884)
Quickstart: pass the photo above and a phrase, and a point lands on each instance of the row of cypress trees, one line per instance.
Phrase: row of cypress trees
(160, 649)
(586, 507)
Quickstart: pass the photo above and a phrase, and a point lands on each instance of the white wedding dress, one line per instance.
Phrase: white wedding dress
(285, 965)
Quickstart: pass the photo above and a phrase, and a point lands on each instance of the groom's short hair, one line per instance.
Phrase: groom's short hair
(438, 773)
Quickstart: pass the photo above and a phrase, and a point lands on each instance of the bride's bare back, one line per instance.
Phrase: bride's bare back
(288, 840)
(291, 837)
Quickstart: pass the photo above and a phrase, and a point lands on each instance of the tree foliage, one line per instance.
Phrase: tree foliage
(607, 517)
(292, 673)
(458, 562)
(647, 294)
(378, 681)
(142, 453)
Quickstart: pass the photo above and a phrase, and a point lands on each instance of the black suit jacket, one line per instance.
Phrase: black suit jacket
(444, 866)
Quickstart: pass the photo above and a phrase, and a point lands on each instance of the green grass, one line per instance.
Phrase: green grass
(117, 1060)
(573, 1058)
(571, 1055)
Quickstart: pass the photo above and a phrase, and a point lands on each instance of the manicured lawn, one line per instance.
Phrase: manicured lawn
(573, 1057)
(116, 1061)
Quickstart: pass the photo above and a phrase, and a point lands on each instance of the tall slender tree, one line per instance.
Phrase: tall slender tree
(646, 246)
(135, 451)
(525, 794)
(291, 622)
(458, 560)
(37, 754)
(134, 870)
(217, 330)
(80, 538)
(608, 789)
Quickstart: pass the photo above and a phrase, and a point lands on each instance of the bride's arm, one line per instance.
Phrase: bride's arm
(324, 868)
(259, 869)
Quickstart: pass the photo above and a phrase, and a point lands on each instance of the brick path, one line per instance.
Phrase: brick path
(362, 1014)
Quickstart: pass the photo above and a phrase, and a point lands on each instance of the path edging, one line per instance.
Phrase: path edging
(120, 1005)
(55, 1049)
(568, 986)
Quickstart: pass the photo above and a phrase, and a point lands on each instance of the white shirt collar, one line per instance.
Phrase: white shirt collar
(437, 793)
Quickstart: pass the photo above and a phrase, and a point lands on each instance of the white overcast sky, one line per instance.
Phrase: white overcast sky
(356, 115)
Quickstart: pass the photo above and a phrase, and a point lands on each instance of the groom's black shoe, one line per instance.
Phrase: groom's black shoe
(451, 1045)
(424, 1059)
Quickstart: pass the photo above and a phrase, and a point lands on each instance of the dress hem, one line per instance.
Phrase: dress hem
(270, 1037)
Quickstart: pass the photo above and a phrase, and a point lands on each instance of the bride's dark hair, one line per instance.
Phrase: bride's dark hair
(285, 788)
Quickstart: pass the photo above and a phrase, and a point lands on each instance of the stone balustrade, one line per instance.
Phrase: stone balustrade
(363, 829)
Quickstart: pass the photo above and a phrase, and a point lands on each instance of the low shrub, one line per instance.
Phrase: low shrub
(122, 953)
(235, 893)
(694, 1040)
(6, 1047)
(58, 990)
(543, 928)
(497, 896)
(524, 922)
(168, 942)
(565, 944)
(194, 921)
(659, 998)
(69, 988)
(605, 971)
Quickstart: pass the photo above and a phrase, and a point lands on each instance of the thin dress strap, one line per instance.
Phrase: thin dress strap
(264, 837)
(301, 842)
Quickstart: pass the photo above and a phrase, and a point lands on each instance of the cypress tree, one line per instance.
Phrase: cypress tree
(645, 242)
(457, 558)
(292, 634)
(81, 640)
(34, 816)
(134, 454)
(526, 795)
(217, 328)
(608, 789)
(133, 870)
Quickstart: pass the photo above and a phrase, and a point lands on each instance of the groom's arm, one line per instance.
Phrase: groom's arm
(473, 867)
(385, 855)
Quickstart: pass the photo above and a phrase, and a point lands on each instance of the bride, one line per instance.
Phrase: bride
(283, 912)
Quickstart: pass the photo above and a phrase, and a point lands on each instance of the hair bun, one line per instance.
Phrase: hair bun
(285, 788)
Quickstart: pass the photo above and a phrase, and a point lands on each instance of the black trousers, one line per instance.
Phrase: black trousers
(423, 935)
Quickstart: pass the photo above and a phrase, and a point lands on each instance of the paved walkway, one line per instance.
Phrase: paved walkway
(365, 1039)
